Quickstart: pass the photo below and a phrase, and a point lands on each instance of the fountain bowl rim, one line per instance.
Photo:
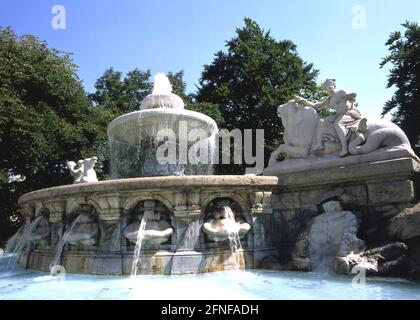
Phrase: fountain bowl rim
(147, 183)
(164, 111)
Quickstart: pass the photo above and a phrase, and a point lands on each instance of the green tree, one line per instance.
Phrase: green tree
(45, 118)
(119, 95)
(179, 87)
(254, 76)
(405, 76)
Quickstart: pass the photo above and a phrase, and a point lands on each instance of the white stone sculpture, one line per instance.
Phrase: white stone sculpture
(346, 114)
(218, 225)
(84, 170)
(86, 231)
(41, 235)
(372, 135)
(157, 230)
(328, 236)
(310, 138)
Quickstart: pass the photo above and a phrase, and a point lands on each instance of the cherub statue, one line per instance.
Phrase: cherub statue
(76, 170)
(83, 171)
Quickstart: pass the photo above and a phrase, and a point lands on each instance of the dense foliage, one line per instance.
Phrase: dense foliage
(119, 95)
(405, 77)
(45, 118)
(255, 75)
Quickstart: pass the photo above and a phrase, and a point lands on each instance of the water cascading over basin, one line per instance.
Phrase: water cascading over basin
(148, 219)
(162, 138)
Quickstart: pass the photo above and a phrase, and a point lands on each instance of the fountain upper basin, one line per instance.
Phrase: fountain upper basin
(167, 100)
(129, 127)
(136, 138)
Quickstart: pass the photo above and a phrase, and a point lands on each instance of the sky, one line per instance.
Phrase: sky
(344, 39)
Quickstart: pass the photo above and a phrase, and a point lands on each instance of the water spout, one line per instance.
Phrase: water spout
(139, 243)
(17, 243)
(162, 138)
(63, 241)
(233, 235)
(162, 86)
(12, 242)
(27, 231)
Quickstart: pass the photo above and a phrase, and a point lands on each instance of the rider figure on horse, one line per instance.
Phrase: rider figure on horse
(345, 115)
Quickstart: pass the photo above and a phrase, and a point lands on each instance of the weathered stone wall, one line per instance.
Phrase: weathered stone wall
(186, 199)
(375, 192)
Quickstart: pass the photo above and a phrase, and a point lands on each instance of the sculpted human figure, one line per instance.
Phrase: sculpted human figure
(217, 226)
(157, 230)
(42, 233)
(328, 236)
(304, 131)
(86, 231)
(346, 114)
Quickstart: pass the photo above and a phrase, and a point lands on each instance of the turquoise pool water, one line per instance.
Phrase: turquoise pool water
(224, 285)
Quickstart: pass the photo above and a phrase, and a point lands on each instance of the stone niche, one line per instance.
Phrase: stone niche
(41, 235)
(378, 193)
(85, 230)
(214, 217)
(134, 218)
(107, 208)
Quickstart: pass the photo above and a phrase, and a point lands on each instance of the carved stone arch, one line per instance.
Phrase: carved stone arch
(239, 200)
(94, 204)
(70, 209)
(38, 207)
(57, 209)
(28, 211)
(73, 211)
(71, 205)
(43, 210)
(131, 202)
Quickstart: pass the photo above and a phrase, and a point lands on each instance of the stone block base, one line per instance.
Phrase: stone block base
(159, 263)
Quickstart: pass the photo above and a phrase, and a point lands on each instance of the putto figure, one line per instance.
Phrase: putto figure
(83, 171)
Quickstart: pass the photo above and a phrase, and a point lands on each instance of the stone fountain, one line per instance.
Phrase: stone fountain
(327, 201)
(134, 138)
(152, 212)
(348, 190)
